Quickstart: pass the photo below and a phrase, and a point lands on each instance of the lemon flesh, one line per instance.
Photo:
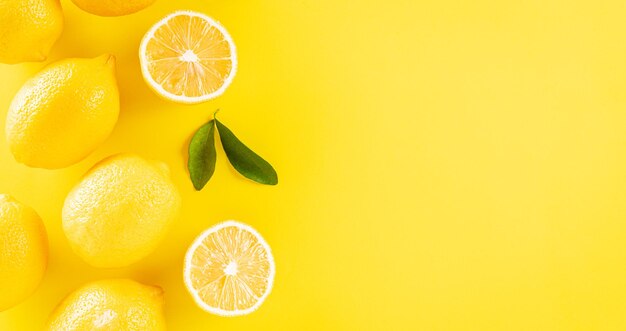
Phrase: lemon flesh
(112, 7)
(63, 113)
(28, 29)
(120, 211)
(112, 305)
(23, 251)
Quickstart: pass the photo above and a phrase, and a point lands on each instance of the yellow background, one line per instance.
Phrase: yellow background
(444, 165)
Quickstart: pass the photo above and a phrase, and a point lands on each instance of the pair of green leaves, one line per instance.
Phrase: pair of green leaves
(202, 156)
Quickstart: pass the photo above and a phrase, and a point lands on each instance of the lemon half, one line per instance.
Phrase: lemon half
(229, 269)
(188, 57)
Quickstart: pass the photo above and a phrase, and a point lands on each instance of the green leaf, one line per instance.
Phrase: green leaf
(247, 162)
(202, 155)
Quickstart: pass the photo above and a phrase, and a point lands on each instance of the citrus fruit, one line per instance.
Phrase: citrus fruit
(112, 305)
(23, 251)
(188, 57)
(229, 269)
(28, 29)
(120, 211)
(112, 7)
(63, 113)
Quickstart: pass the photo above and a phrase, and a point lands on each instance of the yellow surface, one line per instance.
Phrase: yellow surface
(444, 165)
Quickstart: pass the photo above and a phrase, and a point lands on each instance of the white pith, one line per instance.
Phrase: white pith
(231, 269)
(189, 56)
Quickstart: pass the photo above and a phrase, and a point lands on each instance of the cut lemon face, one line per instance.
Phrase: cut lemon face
(188, 57)
(229, 269)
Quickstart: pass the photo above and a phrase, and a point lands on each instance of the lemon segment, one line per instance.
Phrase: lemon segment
(23, 251)
(188, 57)
(229, 269)
(120, 211)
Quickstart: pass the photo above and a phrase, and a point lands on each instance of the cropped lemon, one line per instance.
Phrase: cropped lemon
(23, 251)
(64, 112)
(28, 29)
(113, 304)
(229, 269)
(188, 57)
(120, 211)
(112, 7)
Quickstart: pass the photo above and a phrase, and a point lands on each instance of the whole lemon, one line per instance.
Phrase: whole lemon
(23, 251)
(63, 113)
(112, 7)
(28, 29)
(114, 304)
(120, 211)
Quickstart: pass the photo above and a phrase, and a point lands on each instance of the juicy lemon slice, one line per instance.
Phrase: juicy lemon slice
(188, 57)
(229, 269)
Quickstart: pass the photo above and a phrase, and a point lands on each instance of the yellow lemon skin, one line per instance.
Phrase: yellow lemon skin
(28, 29)
(120, 211)
(112, 7)
(111, 305)
(63, 113)
(23, 251)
